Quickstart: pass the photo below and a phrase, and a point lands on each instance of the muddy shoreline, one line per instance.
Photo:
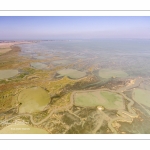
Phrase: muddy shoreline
(7, 48)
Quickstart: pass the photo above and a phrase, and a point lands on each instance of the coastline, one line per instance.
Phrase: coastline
(6, 47)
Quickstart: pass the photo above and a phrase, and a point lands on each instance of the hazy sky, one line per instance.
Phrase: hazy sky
(73, 27)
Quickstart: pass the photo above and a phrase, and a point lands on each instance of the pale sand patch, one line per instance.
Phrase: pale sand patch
(6, 46)
(131, 82)
(4, 50)
(108, 100)
(4, 74)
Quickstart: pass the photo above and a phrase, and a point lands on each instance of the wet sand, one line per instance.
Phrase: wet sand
(6, 47)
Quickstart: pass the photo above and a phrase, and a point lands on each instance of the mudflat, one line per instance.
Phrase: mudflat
(4, 74)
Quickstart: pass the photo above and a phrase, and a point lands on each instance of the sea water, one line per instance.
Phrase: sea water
(130, 55)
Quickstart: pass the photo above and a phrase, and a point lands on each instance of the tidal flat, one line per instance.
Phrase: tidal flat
(75, 87)
(38, 65)
(5, 74)
(107, 99)
(71, 73)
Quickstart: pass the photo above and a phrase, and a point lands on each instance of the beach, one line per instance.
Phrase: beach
(6, 46)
